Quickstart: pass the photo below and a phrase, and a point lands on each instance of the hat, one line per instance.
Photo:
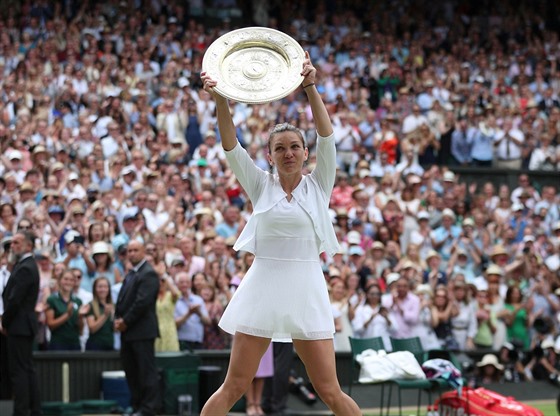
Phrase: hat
(461, 252)
(414, 179)
(93, 187)
(528, 239)
(364, 173)
(468, 222)
(334, 272)
(5, 241)
(449, 176)
(73, 176)
(517, 207)
(211, 233)
(97, 205)
(130, 213)
(176, 140)
(74, 195)
(78, 210)
(481, 285)
(498, 249)
(353, 237)
(553, 263)
(424, 289)
(71, 236)
(508, 346)
(177, 260)
(408, 265)
(432, 253)
(556, 226)
(423, 215)
(183, 82)
(58, 166)
(43, 255)
(202, 162)
(230, 241)
(100, 247)
(479, 79)
(202, 211)
(127, 170)
(490, 359)
(341, 212)
(547, 343)
(26, 187)
(172, 20)
(392, 278)
(355, 251)
(39, 149)
(494, 269)
(56, 209)
(448, 212)
(378, 245)
(15, 154)
(210, 133)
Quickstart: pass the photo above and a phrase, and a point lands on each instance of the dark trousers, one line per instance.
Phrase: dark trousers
(139, 363)
(276, 388)
(5, 382)
(25, 385)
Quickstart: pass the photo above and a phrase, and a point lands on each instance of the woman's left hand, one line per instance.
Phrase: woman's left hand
(309, 71)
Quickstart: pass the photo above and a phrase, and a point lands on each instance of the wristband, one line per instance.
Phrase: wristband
(308, 85)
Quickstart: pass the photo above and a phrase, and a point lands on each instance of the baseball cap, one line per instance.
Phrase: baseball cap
(183, 82)
(71, 236)
(56, 209)
(449, 176)
(130, 213)
(448, 212)
(15, 154)
(517, 207)
(355, 251)
(423, 215)
(353, 237)
(392, 278)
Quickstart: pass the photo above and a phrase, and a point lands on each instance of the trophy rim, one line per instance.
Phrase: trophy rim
(254, 65)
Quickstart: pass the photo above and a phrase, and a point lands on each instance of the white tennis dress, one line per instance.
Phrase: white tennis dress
(283, 295)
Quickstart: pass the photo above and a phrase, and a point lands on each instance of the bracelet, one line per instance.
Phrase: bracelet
(308, 85)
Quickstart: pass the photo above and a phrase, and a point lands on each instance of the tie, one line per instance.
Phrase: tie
(129, 276)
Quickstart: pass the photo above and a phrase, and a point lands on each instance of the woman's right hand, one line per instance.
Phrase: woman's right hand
(209, 85)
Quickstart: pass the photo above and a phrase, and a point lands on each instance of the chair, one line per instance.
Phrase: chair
(357, 346)
(414, 346)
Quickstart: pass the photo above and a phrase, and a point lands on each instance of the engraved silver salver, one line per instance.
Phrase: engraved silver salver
(254, 65)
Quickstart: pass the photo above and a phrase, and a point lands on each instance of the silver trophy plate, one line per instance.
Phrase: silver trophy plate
(254, 65)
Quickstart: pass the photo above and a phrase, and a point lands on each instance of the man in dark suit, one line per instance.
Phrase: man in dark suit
(136, 320)
(19, 323)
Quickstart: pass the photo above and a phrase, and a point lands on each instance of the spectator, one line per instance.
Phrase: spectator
(64, 315)
(214, 338)
(190, 315)
(372, 319)
(100, 315)
(404, 308)
(165, 307)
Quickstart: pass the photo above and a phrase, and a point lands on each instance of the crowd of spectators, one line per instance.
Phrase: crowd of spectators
(106, 136)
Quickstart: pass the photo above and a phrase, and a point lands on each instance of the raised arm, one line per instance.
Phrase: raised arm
(225, 122)
(320, 113)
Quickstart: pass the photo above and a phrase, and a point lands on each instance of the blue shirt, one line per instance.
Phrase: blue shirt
(482, 146)
(192, 329)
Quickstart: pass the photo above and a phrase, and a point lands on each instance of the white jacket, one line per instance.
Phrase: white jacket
(265, 191)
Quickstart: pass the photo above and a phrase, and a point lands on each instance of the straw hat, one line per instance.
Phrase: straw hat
(490, 359)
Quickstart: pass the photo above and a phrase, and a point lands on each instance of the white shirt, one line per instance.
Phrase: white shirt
(507, 149)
